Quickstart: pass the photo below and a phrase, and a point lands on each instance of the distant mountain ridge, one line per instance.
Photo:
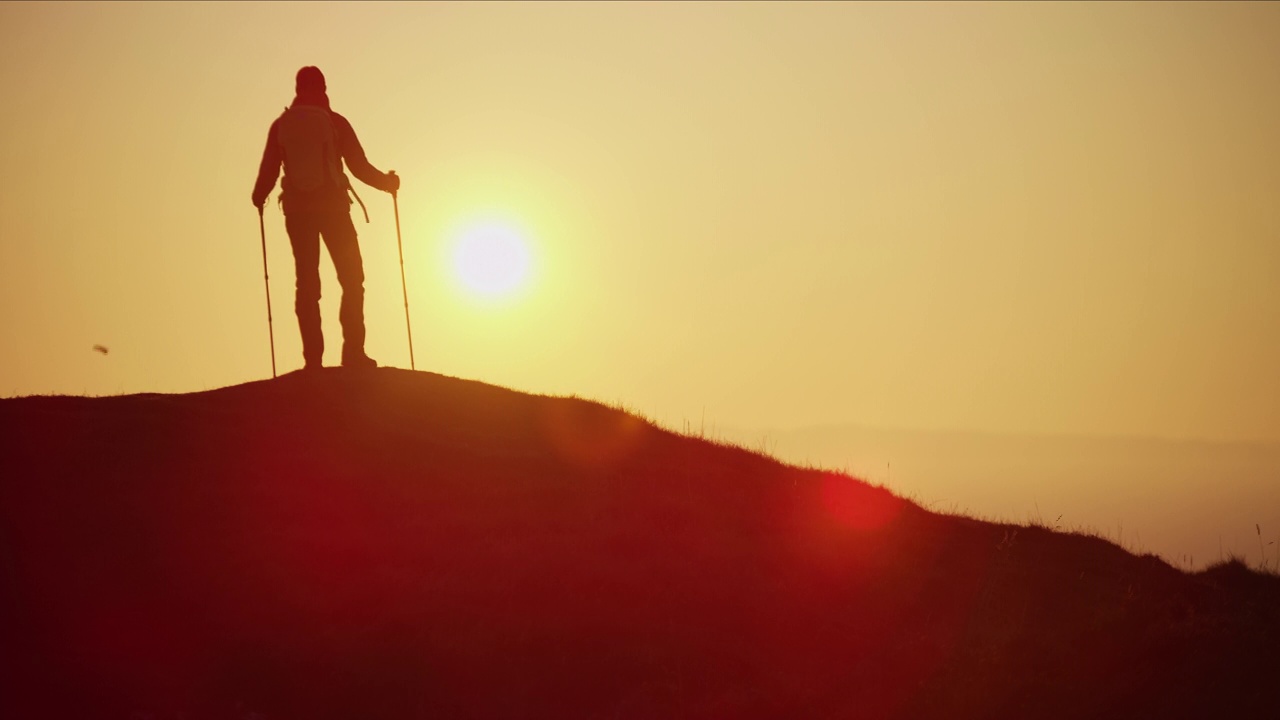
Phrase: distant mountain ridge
(1193, 502)
(389, 544)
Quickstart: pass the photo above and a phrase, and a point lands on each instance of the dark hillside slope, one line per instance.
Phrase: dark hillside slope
(404, 545)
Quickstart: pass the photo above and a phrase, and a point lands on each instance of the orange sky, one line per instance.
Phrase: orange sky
(1044, 218)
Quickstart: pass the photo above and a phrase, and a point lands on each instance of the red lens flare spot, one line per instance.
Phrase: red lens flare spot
(857, 506)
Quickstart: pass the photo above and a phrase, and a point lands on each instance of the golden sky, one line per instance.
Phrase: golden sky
(1043, 218)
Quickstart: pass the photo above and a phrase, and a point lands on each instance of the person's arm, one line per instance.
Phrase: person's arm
(357, 163)
(269, 169)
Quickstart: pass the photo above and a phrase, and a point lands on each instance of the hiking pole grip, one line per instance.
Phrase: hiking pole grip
(404, 288)
(266, 281)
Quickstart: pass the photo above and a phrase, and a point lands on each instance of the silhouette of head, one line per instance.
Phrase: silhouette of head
(309, 80)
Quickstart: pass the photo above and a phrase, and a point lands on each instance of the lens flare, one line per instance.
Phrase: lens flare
(857, 506)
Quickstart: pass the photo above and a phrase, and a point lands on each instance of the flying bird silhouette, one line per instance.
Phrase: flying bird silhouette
(100, 348)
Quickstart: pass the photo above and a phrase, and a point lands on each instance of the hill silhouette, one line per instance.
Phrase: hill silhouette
(389, 544)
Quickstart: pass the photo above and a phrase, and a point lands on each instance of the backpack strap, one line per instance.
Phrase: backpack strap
(357, 197)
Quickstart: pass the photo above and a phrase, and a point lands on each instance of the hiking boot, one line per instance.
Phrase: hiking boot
(358, 361)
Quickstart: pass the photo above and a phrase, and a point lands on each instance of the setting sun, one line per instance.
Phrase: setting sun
(747, 359)
(490, 260)
(943, 246)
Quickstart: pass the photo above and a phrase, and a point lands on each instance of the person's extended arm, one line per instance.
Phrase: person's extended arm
(269, 170)
(357, 163)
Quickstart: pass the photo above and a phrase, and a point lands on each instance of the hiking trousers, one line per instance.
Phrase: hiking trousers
(306, 226)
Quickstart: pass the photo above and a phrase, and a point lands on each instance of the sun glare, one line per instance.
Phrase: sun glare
(491, 260)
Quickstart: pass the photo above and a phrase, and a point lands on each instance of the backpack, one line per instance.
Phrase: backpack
(309, 145)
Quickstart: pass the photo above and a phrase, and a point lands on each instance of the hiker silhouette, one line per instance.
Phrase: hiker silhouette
(311, 142)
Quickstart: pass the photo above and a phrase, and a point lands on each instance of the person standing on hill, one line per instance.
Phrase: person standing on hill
(311, 142)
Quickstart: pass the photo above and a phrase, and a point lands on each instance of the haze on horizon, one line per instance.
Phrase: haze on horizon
(1031, 218)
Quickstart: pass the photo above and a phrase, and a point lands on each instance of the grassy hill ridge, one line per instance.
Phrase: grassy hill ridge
(393, 544)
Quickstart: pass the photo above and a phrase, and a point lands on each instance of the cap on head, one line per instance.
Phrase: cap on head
(309, 79)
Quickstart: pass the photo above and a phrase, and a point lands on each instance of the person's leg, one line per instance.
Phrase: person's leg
(304, 237)
(340, 237)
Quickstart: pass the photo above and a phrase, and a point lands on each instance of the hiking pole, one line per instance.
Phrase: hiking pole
(403, 287)
(266, 281)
